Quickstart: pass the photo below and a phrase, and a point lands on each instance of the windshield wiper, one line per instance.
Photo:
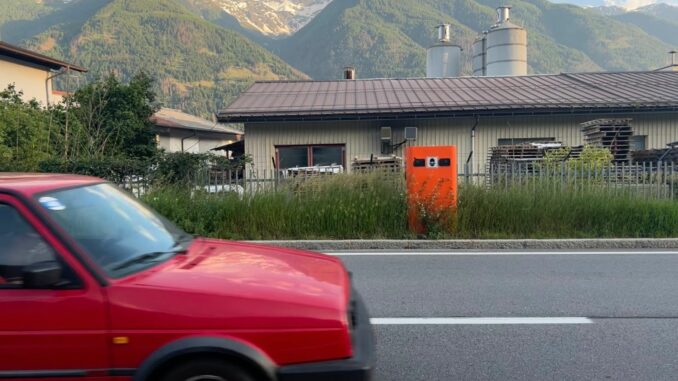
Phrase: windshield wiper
(184, 240)
(144, 258)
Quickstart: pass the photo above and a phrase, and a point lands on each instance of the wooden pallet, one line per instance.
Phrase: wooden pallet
(517, 153)
(610, 133)
(387, 163)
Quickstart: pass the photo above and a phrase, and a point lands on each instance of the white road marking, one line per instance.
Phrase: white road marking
(493, 253)
(482, 321)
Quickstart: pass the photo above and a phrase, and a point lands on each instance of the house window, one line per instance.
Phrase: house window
(638, 142)
(310, 155)
(290, 157)
(328, 155)
(515, 141)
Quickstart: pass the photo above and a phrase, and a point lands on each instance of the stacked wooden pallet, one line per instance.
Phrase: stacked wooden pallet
(385, 163)
(613, 134)
(520, 153)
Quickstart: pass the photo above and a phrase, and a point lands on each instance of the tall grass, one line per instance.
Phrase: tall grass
(339, 207)
(373, 206)
(555, 212)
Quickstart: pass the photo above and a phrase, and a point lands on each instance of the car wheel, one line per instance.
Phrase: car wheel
(200, 370)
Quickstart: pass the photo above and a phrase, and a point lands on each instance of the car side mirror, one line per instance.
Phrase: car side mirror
(42, 275)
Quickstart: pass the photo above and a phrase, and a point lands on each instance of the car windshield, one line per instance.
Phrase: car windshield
(119, 233)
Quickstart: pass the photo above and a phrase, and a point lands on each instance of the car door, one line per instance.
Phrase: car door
(58, 333)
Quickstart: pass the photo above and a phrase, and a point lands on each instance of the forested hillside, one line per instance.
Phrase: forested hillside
(199, 66)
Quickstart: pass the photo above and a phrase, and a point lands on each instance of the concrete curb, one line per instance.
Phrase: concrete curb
(527, 244)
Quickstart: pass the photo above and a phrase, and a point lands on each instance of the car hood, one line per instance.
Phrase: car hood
(221, 280)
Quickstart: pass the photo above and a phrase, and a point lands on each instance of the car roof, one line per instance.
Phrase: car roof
(29, 184)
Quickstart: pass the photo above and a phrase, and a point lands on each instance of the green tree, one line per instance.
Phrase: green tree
(23, 132)
(112, 119)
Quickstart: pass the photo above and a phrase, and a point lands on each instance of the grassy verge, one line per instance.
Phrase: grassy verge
(341, 207)
(374, 206)
(548, 213)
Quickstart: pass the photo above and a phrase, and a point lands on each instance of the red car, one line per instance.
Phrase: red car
(96, 286)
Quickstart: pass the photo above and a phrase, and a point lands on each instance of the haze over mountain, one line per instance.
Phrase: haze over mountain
(204, 52)
(625, 4)
(658, 20)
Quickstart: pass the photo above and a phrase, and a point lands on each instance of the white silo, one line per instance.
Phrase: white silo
(444, 58)
(479, 58)
(506, 52)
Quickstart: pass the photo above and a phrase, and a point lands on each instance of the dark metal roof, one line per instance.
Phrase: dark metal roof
(420, 97)
(24, 55)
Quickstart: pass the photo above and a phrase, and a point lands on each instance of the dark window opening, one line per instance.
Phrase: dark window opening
(310, 156)
(328, 155)
(638, 142)
(290, 157)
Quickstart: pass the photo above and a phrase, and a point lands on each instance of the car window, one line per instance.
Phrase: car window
(112, 227)
(20, 246)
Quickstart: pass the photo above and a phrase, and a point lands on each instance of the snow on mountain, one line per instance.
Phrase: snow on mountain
(273, 17)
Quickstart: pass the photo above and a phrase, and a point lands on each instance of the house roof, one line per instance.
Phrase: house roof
(24, 55)
(672, 67)
(394, 98)
(170, 118)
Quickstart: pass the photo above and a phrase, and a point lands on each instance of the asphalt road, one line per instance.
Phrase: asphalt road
(594, 316)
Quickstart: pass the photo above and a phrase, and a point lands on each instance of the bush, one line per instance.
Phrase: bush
(591, 157)
(116, 170)
(183, 168)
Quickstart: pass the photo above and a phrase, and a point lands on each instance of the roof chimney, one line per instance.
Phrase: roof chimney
(673, 57)
(349, 73)
(503, 14)
(444, 34)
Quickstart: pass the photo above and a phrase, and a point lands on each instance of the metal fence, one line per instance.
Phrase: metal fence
(649, 180)
(249, 181)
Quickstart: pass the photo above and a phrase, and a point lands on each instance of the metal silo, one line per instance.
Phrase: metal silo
(479, 57)
(506, 52)
(444, 58)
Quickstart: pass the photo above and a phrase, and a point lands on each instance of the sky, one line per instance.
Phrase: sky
(628, 4)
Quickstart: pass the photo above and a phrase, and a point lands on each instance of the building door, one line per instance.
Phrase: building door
(58, 332)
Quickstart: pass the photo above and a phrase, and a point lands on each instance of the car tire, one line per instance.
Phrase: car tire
(207, 370)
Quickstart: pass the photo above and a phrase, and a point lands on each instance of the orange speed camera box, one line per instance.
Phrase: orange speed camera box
(431, 185)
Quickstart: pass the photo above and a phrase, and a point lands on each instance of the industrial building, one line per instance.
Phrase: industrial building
(315, 123)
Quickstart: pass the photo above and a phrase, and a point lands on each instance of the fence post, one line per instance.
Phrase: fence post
(672, 180)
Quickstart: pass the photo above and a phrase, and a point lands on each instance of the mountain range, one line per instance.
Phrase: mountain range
(205, 52)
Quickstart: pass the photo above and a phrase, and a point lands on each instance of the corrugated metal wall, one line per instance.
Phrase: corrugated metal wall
(362, 138)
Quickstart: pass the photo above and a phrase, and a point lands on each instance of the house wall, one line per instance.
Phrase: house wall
(194, 144)
(362, 138)
(27, 79)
